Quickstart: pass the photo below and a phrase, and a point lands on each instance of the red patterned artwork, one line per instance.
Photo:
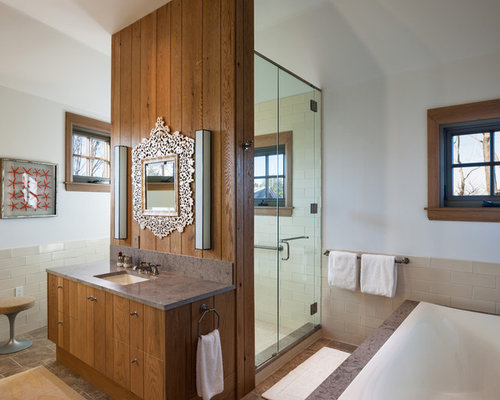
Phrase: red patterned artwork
(28, 189)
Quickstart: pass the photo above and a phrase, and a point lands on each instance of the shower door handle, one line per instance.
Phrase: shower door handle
(287, 252)
(285, 241)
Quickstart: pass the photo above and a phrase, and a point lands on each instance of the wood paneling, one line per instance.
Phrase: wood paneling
(212, 112)
(148, 96)
(244, 197)
(179, 63)
(191, 62)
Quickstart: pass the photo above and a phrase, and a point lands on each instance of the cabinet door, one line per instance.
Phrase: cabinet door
(121, 319)
(137, 372)
(154, 378)
(121, 363)
(136, 325)
(78, 322)
(52, 311)
(154, 328)
(99, 330)
(89, 325)
(63, 321)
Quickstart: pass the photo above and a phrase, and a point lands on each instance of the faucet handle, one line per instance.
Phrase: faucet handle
(154, 269)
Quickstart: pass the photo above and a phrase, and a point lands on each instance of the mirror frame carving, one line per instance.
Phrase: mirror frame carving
(161, 144)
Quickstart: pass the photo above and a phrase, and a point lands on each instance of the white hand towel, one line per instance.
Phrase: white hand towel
(378, 275)
(209, 373)
(343, 270)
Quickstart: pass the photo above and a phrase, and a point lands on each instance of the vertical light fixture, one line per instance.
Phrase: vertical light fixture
(120, 191)
(203, 165)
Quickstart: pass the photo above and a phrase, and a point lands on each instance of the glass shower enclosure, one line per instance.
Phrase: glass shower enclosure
(287, 204)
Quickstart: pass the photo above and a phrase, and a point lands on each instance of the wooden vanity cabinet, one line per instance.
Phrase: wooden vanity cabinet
(131, 350)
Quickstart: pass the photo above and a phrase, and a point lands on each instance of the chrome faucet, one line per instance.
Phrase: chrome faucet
(147, 267)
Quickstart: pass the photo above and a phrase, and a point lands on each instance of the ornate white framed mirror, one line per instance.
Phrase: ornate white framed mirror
(162, 173)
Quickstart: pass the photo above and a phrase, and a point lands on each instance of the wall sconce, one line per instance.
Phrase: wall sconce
(203, 165)
(121, 173)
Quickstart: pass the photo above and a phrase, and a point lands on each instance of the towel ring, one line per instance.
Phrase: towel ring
(204, 309)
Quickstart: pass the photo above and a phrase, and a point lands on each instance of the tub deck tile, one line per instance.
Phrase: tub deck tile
(333, 386)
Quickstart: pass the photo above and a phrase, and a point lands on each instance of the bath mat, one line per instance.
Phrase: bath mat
(36, 384)
(304, 379)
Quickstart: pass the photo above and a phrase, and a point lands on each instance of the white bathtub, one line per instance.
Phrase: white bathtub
(436, 353)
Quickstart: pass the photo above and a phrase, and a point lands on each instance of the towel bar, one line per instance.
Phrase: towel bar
(204, 309)
(404, 260)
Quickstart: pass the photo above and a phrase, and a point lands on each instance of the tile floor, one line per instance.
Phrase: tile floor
(43, 352)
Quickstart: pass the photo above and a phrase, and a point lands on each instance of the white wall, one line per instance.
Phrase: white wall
(375, 163)
(33, 128)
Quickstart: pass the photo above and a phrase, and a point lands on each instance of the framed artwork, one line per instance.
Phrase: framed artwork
(28, 188)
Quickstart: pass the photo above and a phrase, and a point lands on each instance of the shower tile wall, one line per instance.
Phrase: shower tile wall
(298, 284)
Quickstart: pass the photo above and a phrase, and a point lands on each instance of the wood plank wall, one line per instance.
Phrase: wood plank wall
(191, 62)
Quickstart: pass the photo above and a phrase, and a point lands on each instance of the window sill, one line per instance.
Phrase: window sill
(87, 187)
(464, 214)
(284, 211)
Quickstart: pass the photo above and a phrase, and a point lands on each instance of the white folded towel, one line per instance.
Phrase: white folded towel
(209, 372)
(378, 275)
(343, 270)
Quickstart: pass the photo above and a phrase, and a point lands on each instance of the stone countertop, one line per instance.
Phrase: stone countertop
(165, 291)
(333, 386)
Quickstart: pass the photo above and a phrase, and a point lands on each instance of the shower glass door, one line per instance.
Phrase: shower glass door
(287, 199)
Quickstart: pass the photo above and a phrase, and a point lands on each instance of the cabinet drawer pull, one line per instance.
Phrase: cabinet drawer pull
(91, 298)
(59, 287)
(134, 361)
(134, 313)
(59, 322)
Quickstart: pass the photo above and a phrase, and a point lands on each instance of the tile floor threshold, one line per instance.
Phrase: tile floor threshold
(43, 353)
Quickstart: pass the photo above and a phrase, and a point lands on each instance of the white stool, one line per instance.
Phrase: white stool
(11, 307)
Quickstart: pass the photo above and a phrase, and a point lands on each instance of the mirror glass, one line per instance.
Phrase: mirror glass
(160, 186)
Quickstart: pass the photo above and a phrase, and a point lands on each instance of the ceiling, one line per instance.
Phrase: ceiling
(60, 49)
(88, 21)
(334, 43)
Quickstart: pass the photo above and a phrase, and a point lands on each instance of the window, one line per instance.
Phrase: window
(464, 163)
(273, 174)
(472, 165)
(87, 154)
(269, 176)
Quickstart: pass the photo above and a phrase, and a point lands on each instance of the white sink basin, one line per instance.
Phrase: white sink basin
(122, 278)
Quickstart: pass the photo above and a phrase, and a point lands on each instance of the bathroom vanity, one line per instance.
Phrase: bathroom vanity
(137, 340)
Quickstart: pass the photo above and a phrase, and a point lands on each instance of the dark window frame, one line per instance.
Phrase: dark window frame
(91, 128)
(272, 140)
(447, 132)
(268, 152)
